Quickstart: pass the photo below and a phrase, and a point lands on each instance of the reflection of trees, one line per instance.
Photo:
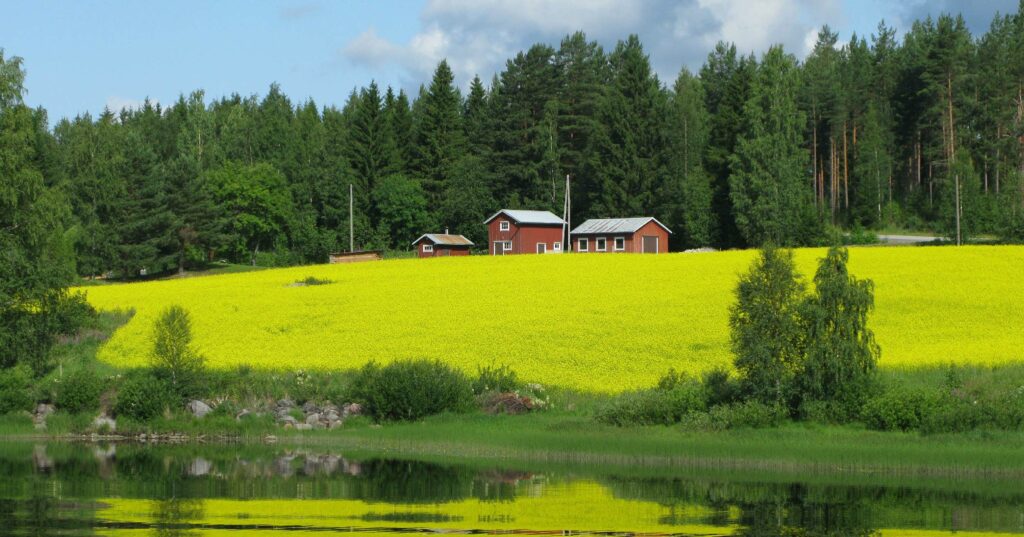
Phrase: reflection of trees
(175, 517)
(399, 481)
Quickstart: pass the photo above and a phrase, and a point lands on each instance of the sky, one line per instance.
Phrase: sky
(83, 56)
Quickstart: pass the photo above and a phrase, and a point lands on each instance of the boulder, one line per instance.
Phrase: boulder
(243, 413)
(352, 409)
(198, 408)
(310, 408)
(313, 419)
(303, 427)
(287, 420)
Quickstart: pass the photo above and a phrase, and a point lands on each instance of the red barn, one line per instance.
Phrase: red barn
(636, 235)
(524, 232)
(442, 245)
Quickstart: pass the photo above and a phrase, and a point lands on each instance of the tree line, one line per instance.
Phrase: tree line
(920, 132)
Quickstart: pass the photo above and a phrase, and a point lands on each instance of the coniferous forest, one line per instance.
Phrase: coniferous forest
(877, 132)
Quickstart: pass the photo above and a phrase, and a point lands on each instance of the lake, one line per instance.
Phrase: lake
(223, 490)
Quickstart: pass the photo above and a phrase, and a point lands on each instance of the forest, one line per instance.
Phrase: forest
(923, 131)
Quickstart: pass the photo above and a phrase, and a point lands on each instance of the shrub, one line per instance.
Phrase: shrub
(720, 388)
(495, 378)
(15, 389)
(897, 410)
(750, 414)
(311, 280)
(143, 396)
(655, 406)
(173, 357)
(410, 390)
(79, 391)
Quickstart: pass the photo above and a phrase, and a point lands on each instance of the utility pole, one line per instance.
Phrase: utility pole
(567, 217)
(351, 228)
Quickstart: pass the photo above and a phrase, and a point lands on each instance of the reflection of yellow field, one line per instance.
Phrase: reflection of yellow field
(579, 506)
(594, 322)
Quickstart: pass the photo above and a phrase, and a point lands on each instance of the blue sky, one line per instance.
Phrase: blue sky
(85, 55)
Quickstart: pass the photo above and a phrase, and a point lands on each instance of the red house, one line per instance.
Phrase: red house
(442, 245)
(617, 235)
(524, 232)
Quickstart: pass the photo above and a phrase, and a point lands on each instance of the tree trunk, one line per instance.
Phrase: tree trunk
(846, 172)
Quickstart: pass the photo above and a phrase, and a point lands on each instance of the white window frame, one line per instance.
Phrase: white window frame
(428, 248)
(504, 225)
(508, 246)
(601, 244)
(557, 246)
(542, 247)
(617, 247)
(583, 245)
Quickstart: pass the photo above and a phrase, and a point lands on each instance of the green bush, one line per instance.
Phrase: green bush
(79, 391)
(410, 390)
(720, 388)
(898, 410)
(15, 389)
(495, 378)
(656, 406)
(143, 396)
(749, 414)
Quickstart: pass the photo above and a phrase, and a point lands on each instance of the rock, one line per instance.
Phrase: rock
(199, 409)
(352, 409)
(310, 408)
(43, 410)
(285, 403)
(330, 415)
(288, 420)
(243, 413)
(334, 424)
(313, 419)
(289, 425)
(103, 421)
(303, 427)
(270, 439)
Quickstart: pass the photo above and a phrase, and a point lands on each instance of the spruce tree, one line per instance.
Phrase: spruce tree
(629, 148)
(689, 186)
(771, 197)
(440, 138)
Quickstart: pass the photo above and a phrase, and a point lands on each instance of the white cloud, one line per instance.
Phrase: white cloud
(478, 36)
(115, 104)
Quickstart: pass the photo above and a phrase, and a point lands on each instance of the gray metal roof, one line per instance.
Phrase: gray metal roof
(447, 240)
(529, 217)
(615, 225)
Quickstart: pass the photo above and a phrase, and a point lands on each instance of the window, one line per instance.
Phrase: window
(601, 244)
(557, 247)
(503, 225)
(584, 245)
(620, 244)
(427, 248)
(508, 246)
(542, 248)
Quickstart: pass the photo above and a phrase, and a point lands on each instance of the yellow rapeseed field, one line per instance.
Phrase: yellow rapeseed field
(591, 322)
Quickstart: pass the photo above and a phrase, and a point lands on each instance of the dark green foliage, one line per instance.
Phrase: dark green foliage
(495, 378)
(841, 353)
(174, 359)
(747, 414)
(675, 397)
(898, 410)
(15, 389)
(410, 390)
(142, 396)
(80, 391)
(311, 280)
(720, 388)
(765, 328)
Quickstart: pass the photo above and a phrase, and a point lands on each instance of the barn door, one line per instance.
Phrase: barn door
(650, 244)
(499, 247)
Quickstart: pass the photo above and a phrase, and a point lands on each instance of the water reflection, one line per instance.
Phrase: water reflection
(62, 489)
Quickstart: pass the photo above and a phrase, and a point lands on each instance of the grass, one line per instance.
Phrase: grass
(596, 323)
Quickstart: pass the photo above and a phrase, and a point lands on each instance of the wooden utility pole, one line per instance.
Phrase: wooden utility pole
(957, 180)
(351, 227)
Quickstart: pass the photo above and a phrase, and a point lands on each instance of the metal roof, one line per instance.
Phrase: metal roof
(615, 225)
(441, 238)
(529, 217)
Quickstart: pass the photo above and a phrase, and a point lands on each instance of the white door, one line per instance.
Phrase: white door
(542, 248)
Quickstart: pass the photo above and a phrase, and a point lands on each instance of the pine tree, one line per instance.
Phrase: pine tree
(872, 171)
(771, 199)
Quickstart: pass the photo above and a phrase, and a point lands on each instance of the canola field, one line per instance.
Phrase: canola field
(590, 322)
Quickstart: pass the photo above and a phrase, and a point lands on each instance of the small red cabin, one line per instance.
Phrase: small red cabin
(442, 245)
(524, 232)
(618, 235)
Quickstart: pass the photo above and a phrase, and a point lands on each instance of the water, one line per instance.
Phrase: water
(130, 490)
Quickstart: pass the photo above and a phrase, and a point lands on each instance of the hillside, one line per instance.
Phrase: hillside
(594, 322)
